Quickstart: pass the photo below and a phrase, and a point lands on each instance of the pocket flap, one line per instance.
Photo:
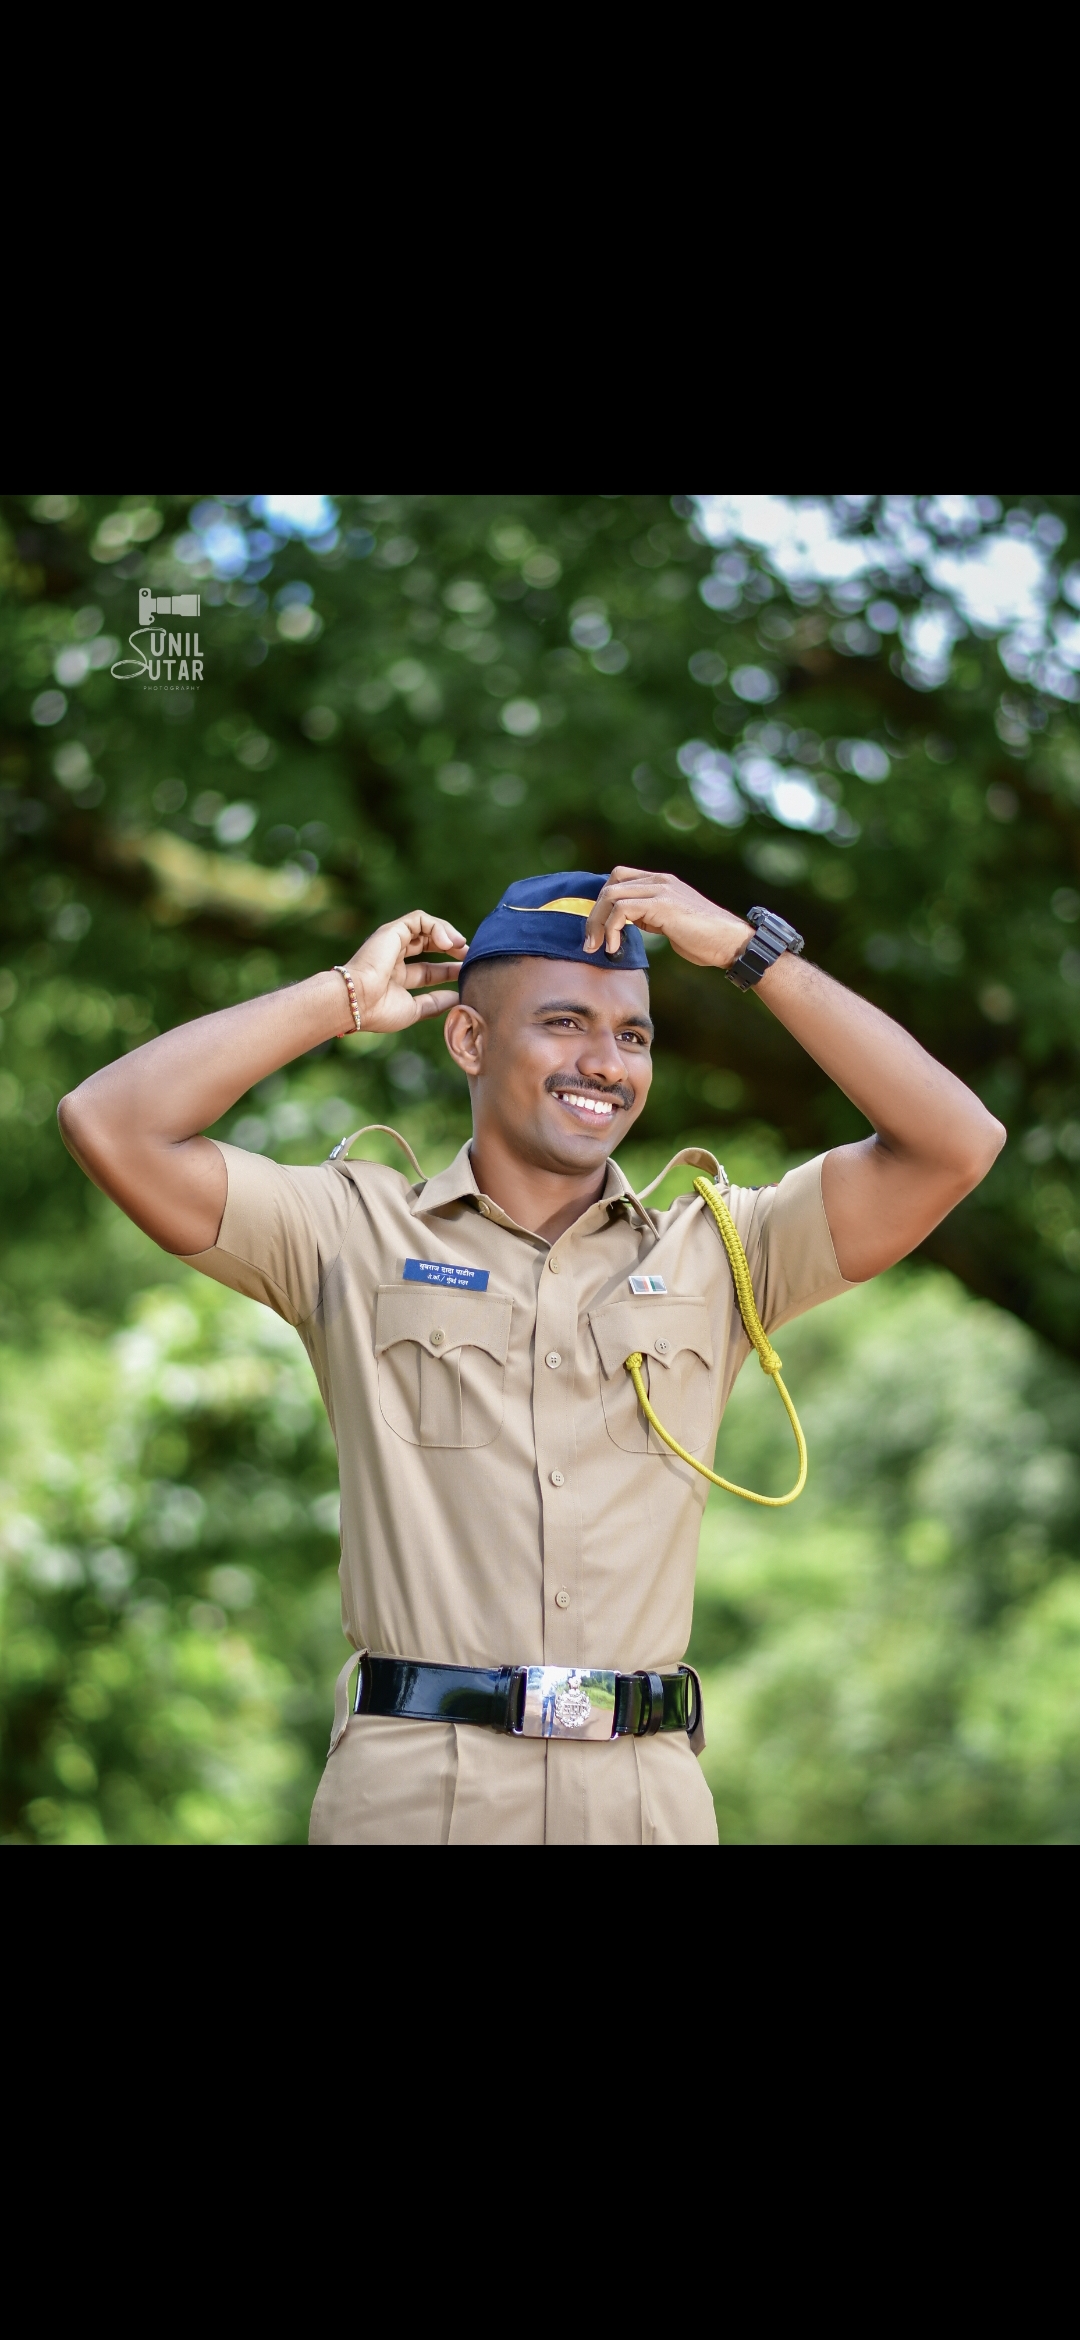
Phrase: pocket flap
(660, 1328)
(440, 1319)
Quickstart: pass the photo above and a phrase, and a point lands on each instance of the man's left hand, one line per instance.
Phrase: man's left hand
(661, 904)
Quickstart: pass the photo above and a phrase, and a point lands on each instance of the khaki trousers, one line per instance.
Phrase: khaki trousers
(391, 1782)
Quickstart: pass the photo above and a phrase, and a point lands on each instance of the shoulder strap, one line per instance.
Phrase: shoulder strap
(340, 1152)
(697, 1157)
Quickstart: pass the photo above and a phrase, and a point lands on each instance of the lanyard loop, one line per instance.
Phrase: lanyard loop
(757, 1336)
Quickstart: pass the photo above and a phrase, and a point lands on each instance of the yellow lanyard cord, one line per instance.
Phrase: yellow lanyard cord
(755, 1332)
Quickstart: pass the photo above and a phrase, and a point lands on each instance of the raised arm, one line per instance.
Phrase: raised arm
(933, 1140)
(134, 1126)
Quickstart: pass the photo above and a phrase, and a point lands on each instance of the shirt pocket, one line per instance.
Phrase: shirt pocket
(675, 1340)
(442, 1363)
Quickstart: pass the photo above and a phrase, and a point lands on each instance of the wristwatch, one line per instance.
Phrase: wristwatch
(772, 937)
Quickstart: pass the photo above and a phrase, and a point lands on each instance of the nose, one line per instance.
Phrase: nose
(598, 1058)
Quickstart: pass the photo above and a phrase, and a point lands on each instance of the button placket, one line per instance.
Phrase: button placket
(553, 1379)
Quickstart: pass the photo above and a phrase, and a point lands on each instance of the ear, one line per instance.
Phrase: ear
(465, 1033)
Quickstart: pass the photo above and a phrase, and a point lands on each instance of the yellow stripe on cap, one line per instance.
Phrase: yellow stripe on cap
(575, 906)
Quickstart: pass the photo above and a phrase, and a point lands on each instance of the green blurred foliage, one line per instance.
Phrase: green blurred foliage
(171, 1612)
(416, 700)
(898, 1664)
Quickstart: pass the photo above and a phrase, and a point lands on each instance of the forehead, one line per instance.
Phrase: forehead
(604, 995)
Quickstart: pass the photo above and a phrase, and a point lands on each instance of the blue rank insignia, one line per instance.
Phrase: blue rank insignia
(640, 1284)
(444, 1271)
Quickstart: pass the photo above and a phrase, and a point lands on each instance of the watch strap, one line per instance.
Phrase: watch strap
(772, 936)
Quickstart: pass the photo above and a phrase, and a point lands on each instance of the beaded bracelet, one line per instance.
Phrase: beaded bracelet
(353, 1002)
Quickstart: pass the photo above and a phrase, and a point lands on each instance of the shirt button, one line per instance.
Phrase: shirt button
(554, 1264)
(557, 1479)
(662, 1347)
(484, 1210)
(562, 1598)
(553, 1358)
(437, 1338)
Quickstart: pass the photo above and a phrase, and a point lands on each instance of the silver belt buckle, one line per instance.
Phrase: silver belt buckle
(563, 1702)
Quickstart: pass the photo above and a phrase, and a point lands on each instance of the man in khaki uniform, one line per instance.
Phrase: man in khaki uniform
(518, 1543)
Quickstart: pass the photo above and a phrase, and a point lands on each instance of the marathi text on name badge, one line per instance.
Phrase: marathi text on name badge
(443, 1271)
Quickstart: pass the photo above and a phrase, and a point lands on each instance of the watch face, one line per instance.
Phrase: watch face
(772, 928)
(771, 937)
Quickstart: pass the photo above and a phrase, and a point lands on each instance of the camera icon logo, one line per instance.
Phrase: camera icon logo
(167, 605)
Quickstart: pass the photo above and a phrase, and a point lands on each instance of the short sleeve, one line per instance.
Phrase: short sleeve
(788, 1244)
(282, 1228)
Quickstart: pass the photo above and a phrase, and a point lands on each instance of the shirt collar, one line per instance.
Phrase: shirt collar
(457, 1184)
(454, 1184)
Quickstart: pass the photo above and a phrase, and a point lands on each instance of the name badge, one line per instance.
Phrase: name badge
(640, 1284)
(443, 1271)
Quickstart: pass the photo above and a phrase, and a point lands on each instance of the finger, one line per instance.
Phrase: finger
(605, 925)
(642, 901)
(622, 903)
(422, 932)
(420, 929)
(597, 920)
(434, 1003)
(631, 894)
(639, 909)
(613, 930)
(419, 972)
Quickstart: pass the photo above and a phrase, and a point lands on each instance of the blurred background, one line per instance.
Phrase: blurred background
(862, 710)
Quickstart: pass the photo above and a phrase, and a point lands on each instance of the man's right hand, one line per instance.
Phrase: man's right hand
(134, 1126)
(393, 984)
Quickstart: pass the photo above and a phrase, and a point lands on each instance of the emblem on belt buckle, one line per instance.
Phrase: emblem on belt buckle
(572, 1704)
(565, 1702)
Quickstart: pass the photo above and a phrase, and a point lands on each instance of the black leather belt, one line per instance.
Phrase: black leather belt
(531, 1701)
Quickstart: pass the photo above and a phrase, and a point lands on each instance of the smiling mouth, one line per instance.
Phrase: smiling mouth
(587, 1106)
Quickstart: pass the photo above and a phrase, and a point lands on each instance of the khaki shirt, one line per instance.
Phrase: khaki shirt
(503, 1500)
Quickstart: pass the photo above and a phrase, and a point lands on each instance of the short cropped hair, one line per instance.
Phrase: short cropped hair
(477, 977)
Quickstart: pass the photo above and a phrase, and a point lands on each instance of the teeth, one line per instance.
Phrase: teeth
(601, 1105)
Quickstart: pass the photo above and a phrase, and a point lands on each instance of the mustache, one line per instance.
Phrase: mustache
(618, 1089)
